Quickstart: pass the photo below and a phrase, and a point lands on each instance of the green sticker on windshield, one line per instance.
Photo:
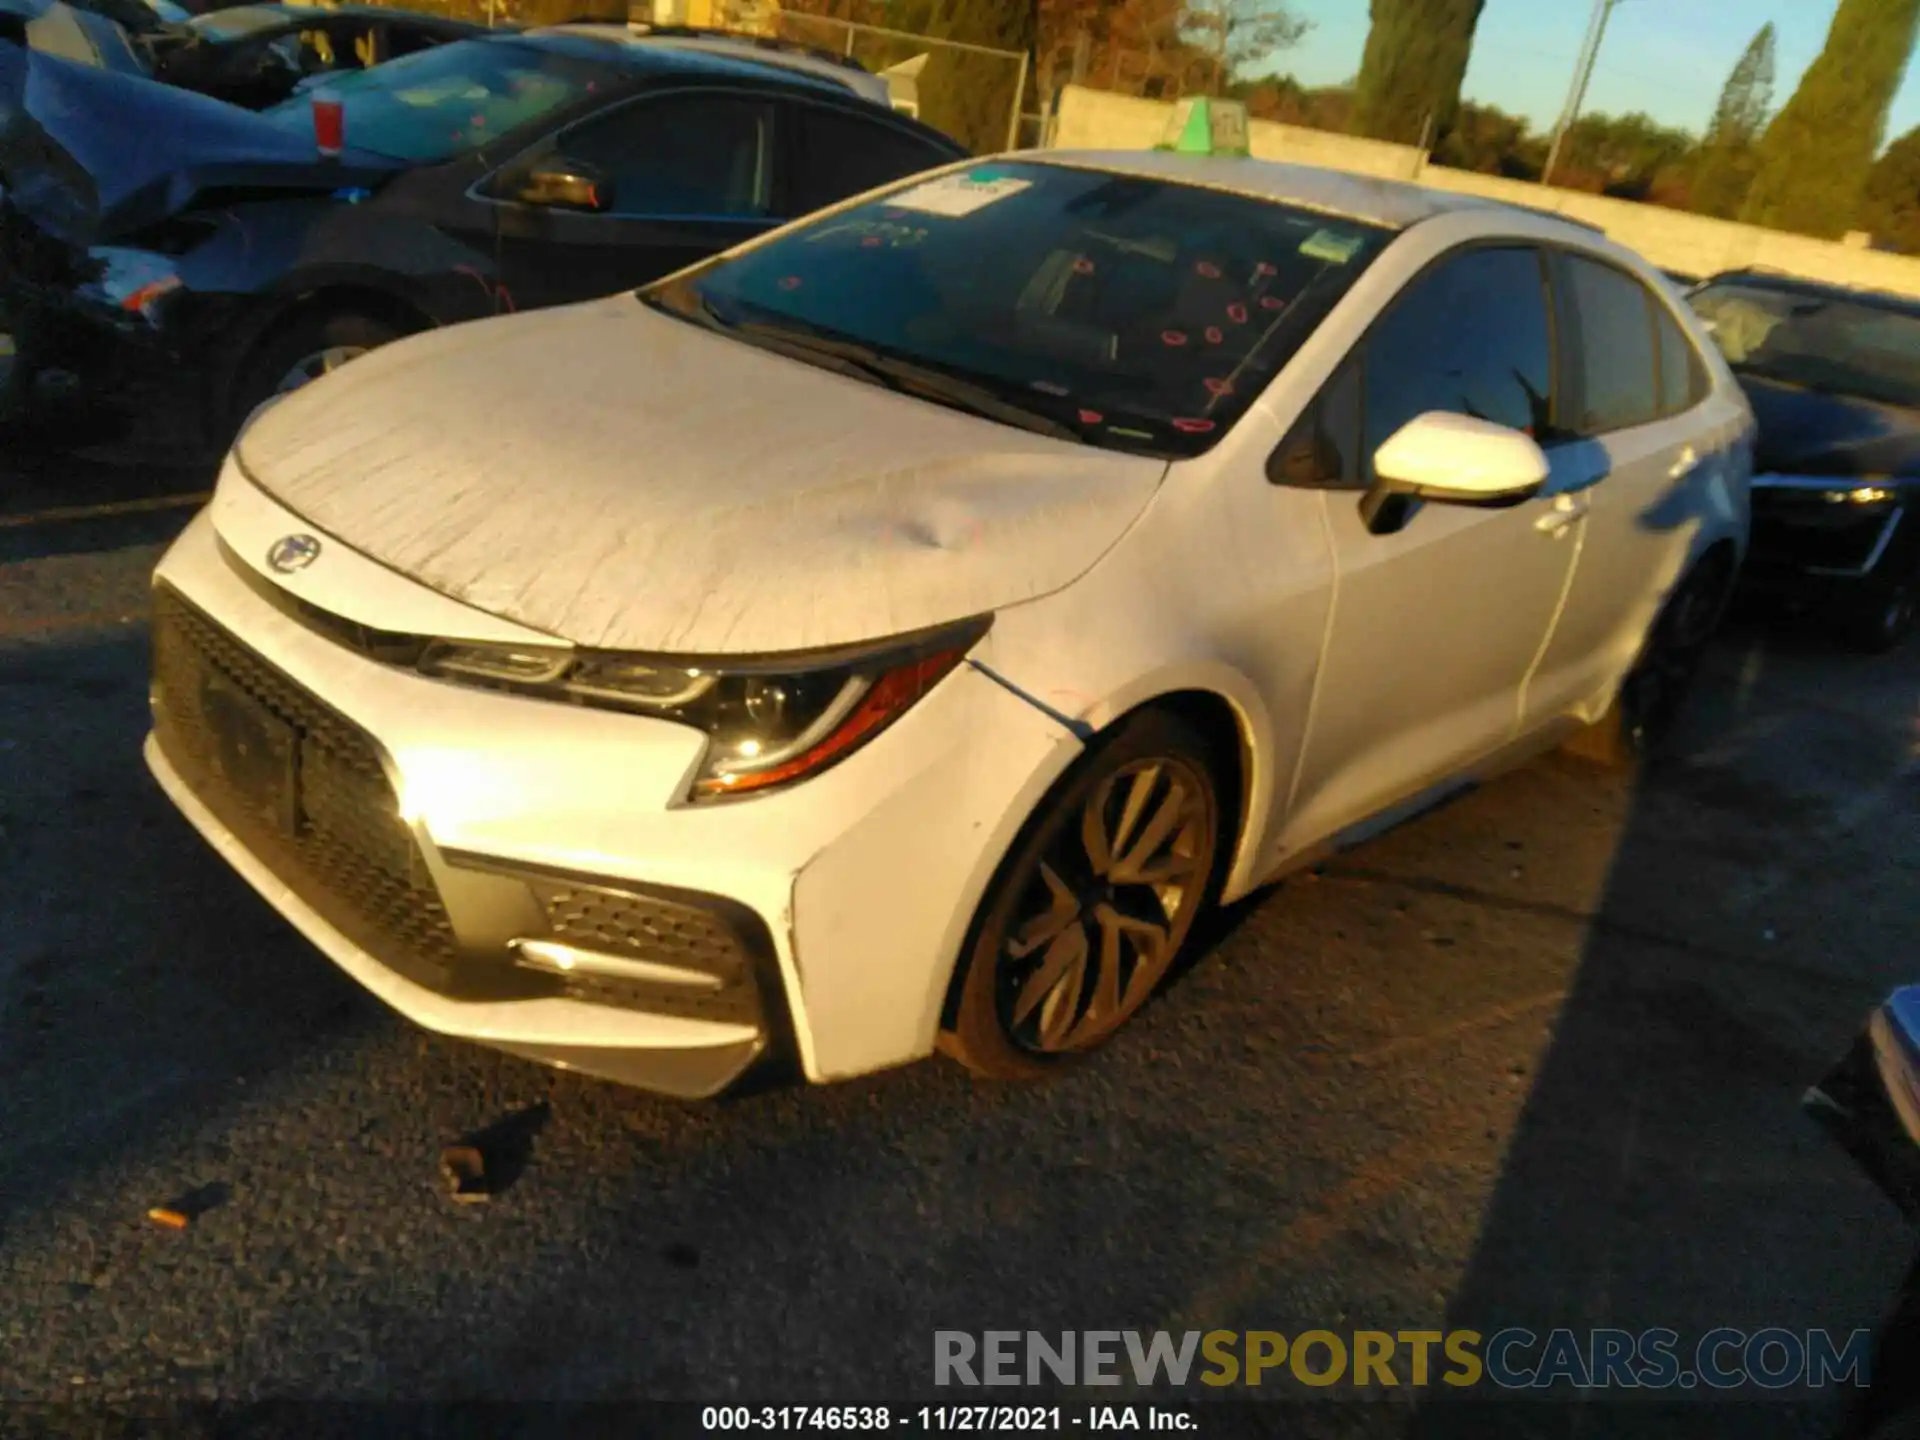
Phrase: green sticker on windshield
(1331, 246)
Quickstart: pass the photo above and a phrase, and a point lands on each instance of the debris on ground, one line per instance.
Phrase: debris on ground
(181, 1211)
(486, 1163)
(465, 1169)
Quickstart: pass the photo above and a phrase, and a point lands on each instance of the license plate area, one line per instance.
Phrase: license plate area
(256, 753)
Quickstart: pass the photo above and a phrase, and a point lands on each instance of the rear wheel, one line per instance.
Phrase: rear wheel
(1093, 907)
(1880, 618)
(300, 353)
(1655, 691)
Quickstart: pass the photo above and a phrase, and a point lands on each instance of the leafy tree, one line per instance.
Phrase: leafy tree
(970, 97)
(1726, 159)
(1242, 35)
(1133, 47)
(1890, 208)
(1411, 70)
(1812, 163)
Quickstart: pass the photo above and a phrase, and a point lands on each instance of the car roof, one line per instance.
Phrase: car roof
(747, 54)
(268, 13)
(1763, 279)
(1393, 204)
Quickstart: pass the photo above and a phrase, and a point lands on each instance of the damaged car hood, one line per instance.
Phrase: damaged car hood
(629, 481)
(90, 154)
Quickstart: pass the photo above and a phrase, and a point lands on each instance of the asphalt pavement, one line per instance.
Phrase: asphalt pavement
(1533, 1059)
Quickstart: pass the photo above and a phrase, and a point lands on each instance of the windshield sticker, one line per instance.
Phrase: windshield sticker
(1192, 427)
(1173, 337)
(1331, 246)
(955, 196)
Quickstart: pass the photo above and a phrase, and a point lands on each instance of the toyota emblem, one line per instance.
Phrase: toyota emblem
(293, 552)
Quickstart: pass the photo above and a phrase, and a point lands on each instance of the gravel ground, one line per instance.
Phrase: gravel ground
(1534, 1059)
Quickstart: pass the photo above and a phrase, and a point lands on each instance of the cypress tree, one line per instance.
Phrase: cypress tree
(1726, 156)
(1410, 72)
(1890, 209)
(1812, 163)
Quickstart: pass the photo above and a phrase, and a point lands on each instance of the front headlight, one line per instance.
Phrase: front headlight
(768, 722)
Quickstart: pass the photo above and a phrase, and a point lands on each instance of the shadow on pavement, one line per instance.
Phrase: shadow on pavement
(1661, 1174)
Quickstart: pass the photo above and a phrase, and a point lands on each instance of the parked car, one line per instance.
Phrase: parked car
(897, 630)
(257, 56)
(254, 56)
(1834, 378)
(227, 259)
(78, 34)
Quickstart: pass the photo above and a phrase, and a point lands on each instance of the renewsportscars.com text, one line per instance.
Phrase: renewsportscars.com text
(1511, 1359)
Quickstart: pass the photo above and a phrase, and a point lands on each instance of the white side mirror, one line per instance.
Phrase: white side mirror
(1458, 460)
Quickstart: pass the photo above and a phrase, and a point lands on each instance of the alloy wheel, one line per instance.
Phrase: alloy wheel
(1108, 907)
(309, 368)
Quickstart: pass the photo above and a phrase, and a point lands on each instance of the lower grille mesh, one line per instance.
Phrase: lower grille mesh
(646, 927)
(346, 851)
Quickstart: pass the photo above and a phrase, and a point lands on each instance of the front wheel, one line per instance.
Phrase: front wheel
(1094, 905)
(1881, 618)
(300, 353)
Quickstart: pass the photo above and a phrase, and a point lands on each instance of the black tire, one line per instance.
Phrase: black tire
(1006, 1018)
(1880, 618)
(263, 373)
(1641, 719)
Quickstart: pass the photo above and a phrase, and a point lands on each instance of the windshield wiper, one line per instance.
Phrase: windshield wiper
(907, 378)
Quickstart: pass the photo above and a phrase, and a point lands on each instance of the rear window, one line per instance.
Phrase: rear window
(433, 105)
(1138, 313)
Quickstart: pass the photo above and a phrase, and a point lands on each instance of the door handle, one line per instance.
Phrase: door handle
(1683, 462)
(1566, 510)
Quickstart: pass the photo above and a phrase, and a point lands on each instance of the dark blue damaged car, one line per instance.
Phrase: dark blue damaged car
(169, 261)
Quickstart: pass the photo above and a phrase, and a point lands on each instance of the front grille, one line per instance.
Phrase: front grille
(647, 927)
(336, 837)
(1810, 530)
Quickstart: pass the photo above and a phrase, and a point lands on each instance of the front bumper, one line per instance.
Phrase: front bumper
(84, 363)
(1805, 540)
(454, 850)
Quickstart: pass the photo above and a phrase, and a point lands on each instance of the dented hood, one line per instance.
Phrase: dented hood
(91, 154)
(625, 480)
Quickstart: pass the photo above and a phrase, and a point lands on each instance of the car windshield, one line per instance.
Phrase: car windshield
(1130, 312)
(1841, 346)
(435, 104)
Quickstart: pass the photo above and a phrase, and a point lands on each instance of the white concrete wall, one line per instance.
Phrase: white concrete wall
(1671, 239)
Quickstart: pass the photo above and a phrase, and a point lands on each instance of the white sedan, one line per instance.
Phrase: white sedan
(893, 633)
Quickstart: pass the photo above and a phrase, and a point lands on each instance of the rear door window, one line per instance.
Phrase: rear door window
(836, 155)
(1682, 380)
(1616, 361)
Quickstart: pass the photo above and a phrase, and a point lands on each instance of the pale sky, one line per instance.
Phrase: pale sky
(1668, 58)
